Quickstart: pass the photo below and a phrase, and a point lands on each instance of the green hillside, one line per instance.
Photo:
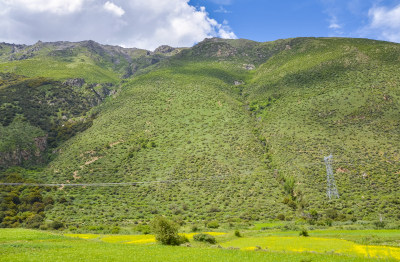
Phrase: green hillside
(236, 130)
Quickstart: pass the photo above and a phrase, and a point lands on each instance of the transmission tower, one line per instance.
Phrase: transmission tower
(331, 191)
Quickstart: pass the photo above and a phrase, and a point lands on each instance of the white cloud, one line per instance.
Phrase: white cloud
(386, 22)
(221, 9)
(333, 23)
(114, 9)
(52, 6)
(134, 23)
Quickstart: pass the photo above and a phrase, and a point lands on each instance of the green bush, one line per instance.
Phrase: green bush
(379, 224)
(115, 230)
(237, 233)
(205, 238)
(281, 217)
(166, 231)
(332, 214)
(56, 225)
(34, 221)
(328, 222)
(303, 233)
(213, 224)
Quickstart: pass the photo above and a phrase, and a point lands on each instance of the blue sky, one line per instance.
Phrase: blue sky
(264, 20)
(151, 23)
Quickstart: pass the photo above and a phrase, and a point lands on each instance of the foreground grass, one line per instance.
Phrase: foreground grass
(30, 245)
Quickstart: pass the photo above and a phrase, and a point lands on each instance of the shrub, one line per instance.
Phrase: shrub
(205, 238)
(303, 233)
(332, 214)
(166, 231)
(328, 222)
(379, 224)
(237, 233)
(281, 217)
(115, 230)
(213, 224)
(34, 221)
(195, 228)
(56, 225)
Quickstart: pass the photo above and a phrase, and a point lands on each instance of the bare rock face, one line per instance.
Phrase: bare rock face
(249, 66)
(238, 82)
(20, 156)
(40, 144)
(76, 82)
(164, 49)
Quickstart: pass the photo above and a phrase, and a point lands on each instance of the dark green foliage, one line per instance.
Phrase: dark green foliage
(379, 224)
(115, 230)
(205, 238)
(237, 233)
(313, 216)
(56, 225)
(303, 233)
(328, 222)
(34, 221)
(165, 231)
(213, 224)
(332, 214)
(21, 206)
(280, 217)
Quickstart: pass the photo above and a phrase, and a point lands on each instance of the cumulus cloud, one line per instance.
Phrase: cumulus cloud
(52, 6)
(114, 9)
(132, 23)
(386, 22)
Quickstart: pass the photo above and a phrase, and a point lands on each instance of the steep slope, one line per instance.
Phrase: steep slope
(47, 91)
(234, 130)
(340, 97)
(172, 124)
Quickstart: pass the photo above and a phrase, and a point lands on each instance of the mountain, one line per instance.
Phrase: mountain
(228, 130)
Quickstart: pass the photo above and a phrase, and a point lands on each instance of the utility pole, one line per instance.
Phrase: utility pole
(331, 191)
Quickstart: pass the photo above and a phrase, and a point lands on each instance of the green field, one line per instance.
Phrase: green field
(31, 245)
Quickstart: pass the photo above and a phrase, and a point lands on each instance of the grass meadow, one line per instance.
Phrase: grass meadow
(33, 245)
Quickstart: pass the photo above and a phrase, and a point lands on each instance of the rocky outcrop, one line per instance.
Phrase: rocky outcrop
(21, 156)
(214, 47)
(75, 82)
(164, 49)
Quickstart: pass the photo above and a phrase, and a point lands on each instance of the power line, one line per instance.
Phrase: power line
(184, 180)
(112, 184)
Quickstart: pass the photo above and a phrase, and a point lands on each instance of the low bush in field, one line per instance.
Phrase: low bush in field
(237, 233)
(205, 238)
(303, 233)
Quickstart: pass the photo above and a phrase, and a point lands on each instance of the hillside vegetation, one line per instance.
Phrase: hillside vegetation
(228, 130)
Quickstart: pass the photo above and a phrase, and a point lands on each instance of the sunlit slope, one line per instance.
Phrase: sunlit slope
(92, 61)
(172, 124)
(238, 129)
(340, 97)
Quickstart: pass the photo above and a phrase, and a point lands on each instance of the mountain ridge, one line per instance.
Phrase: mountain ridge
(260, 117)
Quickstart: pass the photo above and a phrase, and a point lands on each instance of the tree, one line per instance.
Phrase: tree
(166, 231)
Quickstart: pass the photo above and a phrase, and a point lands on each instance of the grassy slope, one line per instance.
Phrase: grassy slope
(28, 245)
(186, 119)
(338, 96)
(168, 125)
